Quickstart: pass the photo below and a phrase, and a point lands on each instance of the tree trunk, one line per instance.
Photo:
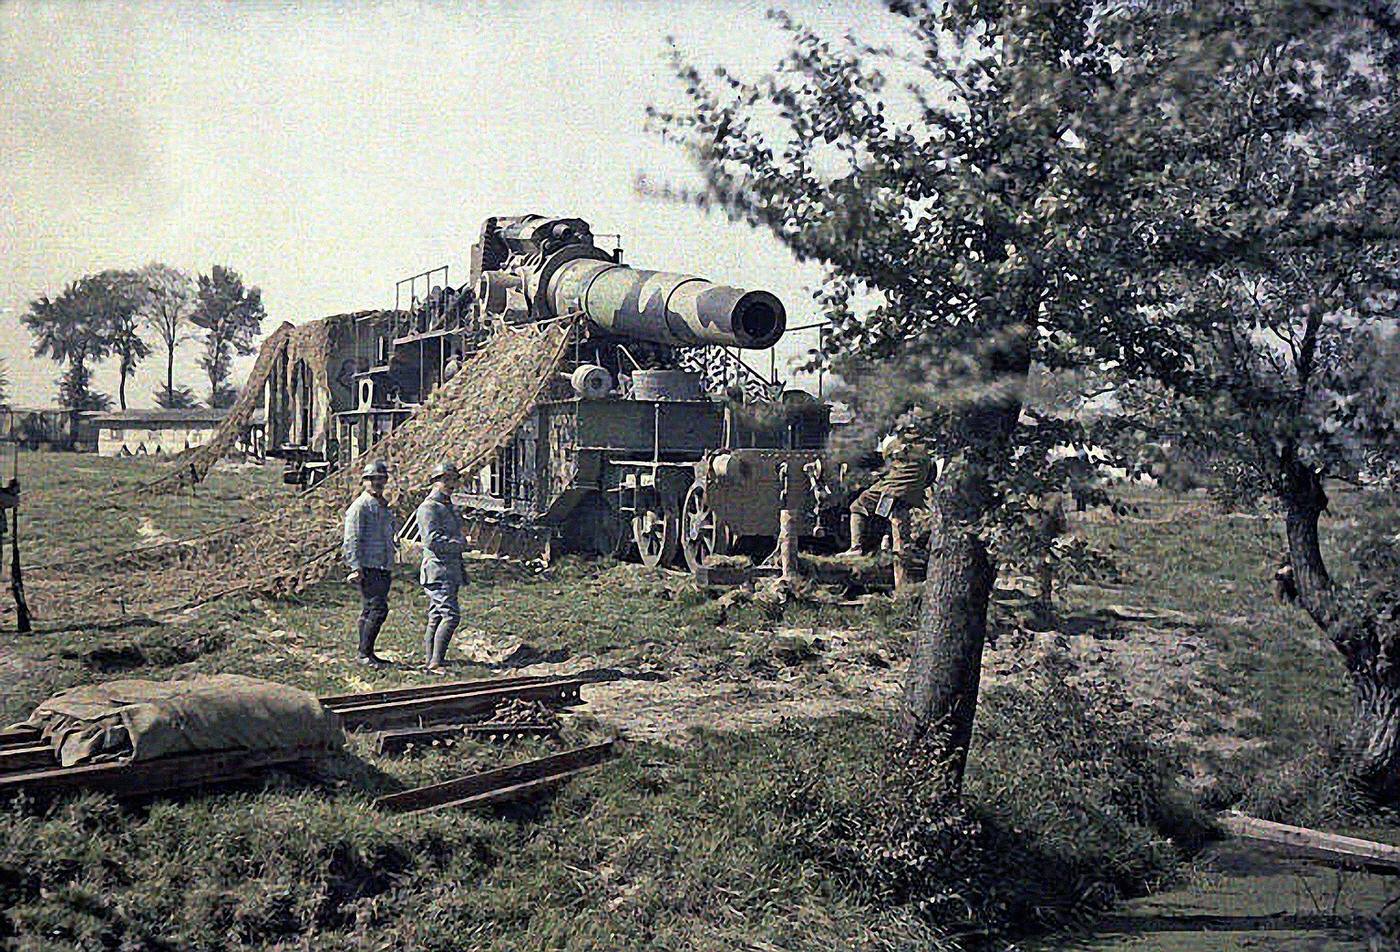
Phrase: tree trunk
(121, 387)
(170, 371)
(1369, 647)
(941, 686)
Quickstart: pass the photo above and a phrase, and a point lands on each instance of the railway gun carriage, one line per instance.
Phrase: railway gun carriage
(656, 440)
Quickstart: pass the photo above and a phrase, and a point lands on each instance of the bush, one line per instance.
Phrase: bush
(1069, 807)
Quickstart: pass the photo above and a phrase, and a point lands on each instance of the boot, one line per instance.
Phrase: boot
(857, 534)
(440, 642)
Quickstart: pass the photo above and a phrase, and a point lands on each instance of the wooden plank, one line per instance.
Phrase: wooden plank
(436, 709)
(472, 785)
(429, 690)
(19, 737)
(26, 758)
(398, 740)
(519, 791)
(1332, 847)
(134, 778)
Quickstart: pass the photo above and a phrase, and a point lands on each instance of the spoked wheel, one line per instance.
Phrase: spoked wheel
(657, 536)
(701, 534)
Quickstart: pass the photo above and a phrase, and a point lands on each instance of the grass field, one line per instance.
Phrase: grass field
(748, 811)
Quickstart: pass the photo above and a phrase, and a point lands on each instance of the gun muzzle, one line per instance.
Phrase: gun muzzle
(665, 307)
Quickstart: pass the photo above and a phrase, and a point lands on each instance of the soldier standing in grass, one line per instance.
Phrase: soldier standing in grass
(440, 530)
(369, 549)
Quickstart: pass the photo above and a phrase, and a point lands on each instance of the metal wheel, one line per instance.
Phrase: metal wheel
(701, 534)
(657, 535)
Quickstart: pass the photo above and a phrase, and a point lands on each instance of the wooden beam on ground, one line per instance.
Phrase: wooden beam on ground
(421, 711)
(1315, 844)
(398, 740)
(140, 777)
(429, 690)
(29, 757)
(493, 786)
(19, 737)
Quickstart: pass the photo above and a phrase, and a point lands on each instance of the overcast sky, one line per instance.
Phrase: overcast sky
(327, 150)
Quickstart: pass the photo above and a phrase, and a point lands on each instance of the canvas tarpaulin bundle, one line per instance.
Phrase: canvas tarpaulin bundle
(143, 720)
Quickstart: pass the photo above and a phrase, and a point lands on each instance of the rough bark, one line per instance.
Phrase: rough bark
(1368, 647)
(941, 685)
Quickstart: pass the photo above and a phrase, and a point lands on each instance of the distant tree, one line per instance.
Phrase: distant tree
(180, 398)
(119, 296)
(4, 383)
(71, 329)
(231, 316)
(167, 306)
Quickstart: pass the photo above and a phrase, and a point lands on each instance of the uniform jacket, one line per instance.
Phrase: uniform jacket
(905, 479)
(370, 528)
(440, 529)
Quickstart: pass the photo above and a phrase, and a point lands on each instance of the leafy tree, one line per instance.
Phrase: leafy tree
(967, 239)
(118, 297)
(72, 329)
(1276, 229)
(167, 306)
(231, 316)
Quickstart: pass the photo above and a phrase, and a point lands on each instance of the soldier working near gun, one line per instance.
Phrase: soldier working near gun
(440, 530)
(893, 496)
(369, 549)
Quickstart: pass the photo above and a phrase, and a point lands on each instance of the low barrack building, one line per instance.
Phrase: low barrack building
(153, 432)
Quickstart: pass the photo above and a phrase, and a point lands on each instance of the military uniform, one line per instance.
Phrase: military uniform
(894, 496)
(440, 530)
(369, 547)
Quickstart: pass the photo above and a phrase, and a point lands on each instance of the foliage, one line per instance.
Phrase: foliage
(1275, 242)
(231, 315)
(1276, 219)
(72, 328)
(177, 398)
(881, 824)
(167, 305)
(121, 299)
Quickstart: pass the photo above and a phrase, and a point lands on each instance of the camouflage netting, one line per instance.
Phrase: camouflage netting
(464, 420)
(194, 464)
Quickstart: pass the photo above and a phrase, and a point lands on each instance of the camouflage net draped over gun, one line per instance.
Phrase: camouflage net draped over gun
(194, 464)
(464, 420)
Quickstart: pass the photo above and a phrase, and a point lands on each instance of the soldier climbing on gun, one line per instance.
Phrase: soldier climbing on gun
(896, 492)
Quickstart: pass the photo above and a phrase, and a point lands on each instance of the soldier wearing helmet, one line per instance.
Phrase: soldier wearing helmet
(369, 549)
(440, 530)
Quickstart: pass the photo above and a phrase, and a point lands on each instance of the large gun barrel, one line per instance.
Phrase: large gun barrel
(665, 307)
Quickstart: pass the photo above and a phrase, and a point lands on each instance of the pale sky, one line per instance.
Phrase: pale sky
(327, 150)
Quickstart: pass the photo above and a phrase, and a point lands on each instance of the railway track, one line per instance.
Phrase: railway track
(408, 716)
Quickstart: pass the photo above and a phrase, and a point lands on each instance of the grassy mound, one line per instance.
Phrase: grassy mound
(807, 836)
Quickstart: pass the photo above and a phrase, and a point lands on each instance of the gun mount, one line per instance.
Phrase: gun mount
(654, 437)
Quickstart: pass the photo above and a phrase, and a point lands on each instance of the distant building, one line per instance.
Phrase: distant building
(45, 429)
(153, 432)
